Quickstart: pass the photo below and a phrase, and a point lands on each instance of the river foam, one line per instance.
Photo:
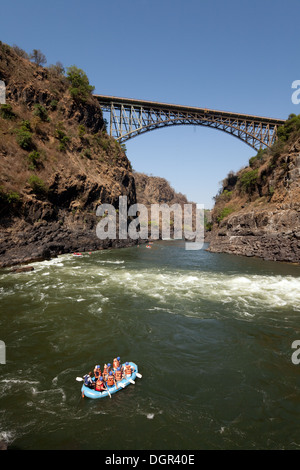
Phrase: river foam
(228, 325)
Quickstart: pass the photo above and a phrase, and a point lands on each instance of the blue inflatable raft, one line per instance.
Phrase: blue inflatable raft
(90, 393)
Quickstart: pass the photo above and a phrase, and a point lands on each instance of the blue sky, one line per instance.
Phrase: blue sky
(231, 55)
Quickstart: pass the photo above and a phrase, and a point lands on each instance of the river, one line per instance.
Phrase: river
(211, 334)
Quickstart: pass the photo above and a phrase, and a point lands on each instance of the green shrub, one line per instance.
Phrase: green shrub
(80, 88)
(33, 160)
(12, 197)
(271, 191)
(24, 136)
(53, 105)
(291, 125)
(62, 137)
(257, 158)
(6, 111)
(26, 126)
(37, 184)
(81, 131)
(252, 161)
(248, 180)
(276, 151)
(225, 195)
(41, 112)
(224, 213)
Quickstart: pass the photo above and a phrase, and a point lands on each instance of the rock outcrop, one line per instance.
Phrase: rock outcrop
(268, 234)
(156, 190)
(257, 212)
(57, 165)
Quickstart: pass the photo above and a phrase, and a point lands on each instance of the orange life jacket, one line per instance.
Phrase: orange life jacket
(118, 375)
(110, 380)
(128, 370)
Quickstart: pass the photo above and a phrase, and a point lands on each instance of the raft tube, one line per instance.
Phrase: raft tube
(90, 393)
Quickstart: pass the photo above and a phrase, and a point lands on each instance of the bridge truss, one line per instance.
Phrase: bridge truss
(128, 118)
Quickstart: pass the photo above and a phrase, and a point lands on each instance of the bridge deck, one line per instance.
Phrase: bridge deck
(104, 99)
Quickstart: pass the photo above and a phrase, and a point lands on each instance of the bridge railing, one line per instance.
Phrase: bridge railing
(128, 118)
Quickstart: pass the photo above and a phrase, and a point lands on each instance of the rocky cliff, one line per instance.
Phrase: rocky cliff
(257, 211)
(156, 190)
(57, 164)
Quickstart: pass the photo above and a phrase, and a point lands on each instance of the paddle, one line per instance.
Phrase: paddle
(108, 392)
(79, 379)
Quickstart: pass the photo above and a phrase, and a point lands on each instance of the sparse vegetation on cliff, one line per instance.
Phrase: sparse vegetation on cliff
(57, 163)
(264, 180)
(80, 88)
(257, 209)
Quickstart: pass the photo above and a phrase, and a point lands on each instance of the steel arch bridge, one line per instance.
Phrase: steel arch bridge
(128, 118)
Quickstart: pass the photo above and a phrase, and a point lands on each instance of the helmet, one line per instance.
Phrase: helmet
(127, 363)
(118, 358)
(110, 373)
(109, 364)
(100, 378)
(118, 368)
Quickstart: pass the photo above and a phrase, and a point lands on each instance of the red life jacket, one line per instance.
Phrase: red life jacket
(99, 386)
(128, 370)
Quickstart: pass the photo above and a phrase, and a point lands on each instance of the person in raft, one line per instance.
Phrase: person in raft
(99, 387)
(116, 362)
(105, 373)
(97, 372)
(128, 369)
(118, 374)
(88, 381)
(111, 381)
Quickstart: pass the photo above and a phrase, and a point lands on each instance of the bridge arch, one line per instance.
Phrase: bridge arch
(128, 118)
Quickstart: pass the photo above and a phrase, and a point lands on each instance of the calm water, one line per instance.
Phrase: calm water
(211, 335)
